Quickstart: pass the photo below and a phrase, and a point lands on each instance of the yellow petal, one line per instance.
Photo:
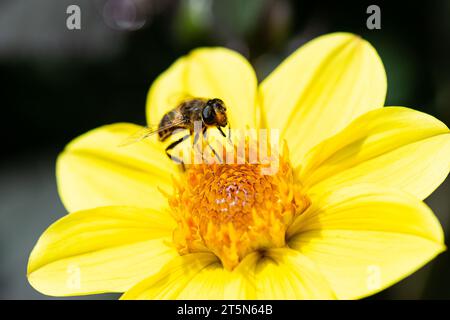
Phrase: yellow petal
(287, 274)
(94, 170)
(216, 283)
(393, 146)
(320, 88)
(106, 249)
(364, 240)
(281, 274)
(172, 279)
(209, 73)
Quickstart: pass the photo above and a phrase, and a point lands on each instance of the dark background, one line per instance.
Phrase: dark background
(56, 84)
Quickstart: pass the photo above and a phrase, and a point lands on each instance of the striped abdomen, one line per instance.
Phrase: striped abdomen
(171, 121)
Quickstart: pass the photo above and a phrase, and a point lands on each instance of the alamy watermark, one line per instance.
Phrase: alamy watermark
(373, 277)
(73, 280)
(73, 21)
(240, 146)
(374, 20)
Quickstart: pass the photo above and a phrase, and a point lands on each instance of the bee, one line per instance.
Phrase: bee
(209, 112)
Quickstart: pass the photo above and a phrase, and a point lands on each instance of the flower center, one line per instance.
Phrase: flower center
(234, 209)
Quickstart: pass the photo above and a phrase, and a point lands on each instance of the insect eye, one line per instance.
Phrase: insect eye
(208, 114)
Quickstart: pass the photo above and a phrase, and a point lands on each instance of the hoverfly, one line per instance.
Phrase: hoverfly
(209, 112)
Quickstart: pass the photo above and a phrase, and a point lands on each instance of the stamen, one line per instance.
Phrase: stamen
(234, 209)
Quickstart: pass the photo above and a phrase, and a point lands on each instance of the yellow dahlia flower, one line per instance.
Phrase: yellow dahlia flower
(342, 218)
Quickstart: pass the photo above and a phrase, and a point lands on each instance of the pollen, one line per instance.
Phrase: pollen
(234, 209)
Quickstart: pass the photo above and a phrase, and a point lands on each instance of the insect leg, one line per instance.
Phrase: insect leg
(221, 132)
(173, 145)
(212, 149)
(196, 137)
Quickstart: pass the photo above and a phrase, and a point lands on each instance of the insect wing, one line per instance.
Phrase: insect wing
(147, 132)
(138, 136)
